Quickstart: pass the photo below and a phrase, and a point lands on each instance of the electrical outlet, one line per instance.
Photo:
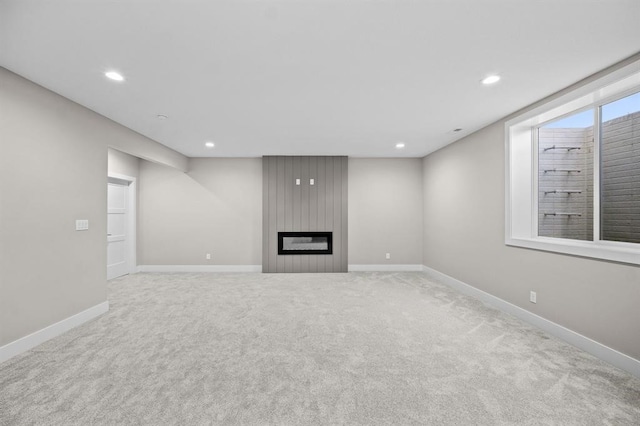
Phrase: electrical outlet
(388, 256)
(533, 297)
(208, 256)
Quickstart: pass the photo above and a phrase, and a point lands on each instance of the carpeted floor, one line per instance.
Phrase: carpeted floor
(357, 348)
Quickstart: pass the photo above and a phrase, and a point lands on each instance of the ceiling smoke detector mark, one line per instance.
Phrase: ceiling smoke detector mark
(209, 144)
(492, 79)
(162, 117)
(114, 75)
(457, 130)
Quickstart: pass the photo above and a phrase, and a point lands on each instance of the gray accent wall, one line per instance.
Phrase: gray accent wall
(319, 207)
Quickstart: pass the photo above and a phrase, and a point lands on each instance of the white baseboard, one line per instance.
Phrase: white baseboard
(199, 268)
(384, 268)
(596, 349)
(34, 339)
(258, 268)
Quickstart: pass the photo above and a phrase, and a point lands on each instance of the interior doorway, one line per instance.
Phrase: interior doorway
(121, 229)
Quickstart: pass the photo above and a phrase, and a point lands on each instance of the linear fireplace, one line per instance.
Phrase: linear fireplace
(305, 242)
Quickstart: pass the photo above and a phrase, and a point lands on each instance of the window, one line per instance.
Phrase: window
(565, 177)
(573, 171)
(620, 170)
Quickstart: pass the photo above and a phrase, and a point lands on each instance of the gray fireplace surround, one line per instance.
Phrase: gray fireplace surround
(303, 198)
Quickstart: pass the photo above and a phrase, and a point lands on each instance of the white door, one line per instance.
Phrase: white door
(117, 195)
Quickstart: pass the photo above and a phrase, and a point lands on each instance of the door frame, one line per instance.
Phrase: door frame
(132, 215)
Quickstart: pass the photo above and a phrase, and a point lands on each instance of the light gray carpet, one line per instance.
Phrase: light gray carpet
(357, 348)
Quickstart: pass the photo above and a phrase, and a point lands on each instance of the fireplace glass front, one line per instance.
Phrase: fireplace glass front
(305, 243)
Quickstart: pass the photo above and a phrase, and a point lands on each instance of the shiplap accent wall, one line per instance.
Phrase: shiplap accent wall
(304, 207)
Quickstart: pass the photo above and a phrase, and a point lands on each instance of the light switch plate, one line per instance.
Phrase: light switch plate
(312, 182)
(297, 181)
(82, 225)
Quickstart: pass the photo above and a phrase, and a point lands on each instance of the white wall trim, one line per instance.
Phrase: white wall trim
(596, 349)
(122, 177)
(258, 268)
(200, 268)
(384, 268)
(54, 330)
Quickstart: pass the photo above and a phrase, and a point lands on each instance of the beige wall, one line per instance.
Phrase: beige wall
(385, 211)
(464, 238)
(53, 170)
(127, 141)
(215, 208)
(123, 164)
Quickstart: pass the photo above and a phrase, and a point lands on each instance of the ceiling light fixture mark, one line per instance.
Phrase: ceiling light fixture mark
(114, 75)
(492, 79)
(209, 144)
(399, 145)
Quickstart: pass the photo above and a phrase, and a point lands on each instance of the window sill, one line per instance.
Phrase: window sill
(603, 250)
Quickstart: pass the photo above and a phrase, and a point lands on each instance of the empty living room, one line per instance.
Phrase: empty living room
(367, 212)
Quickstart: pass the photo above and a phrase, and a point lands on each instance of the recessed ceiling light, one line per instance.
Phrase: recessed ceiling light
(114, 75)
(209, 144)
(162, 117)
(399, 145)
(491, 79)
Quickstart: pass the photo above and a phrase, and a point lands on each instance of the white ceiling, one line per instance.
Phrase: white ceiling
(312, 77)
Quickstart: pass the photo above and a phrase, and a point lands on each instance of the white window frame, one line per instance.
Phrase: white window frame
(521, 174)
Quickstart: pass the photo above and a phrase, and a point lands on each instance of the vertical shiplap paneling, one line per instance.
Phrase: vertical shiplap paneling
(313, 207)
(288, 207)
(296, 207)
(344, 265)
(328, 215)
(322, 205)
(304, 207)
(273, 214)
(337, 214)
(265, 215)
(280, 211)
